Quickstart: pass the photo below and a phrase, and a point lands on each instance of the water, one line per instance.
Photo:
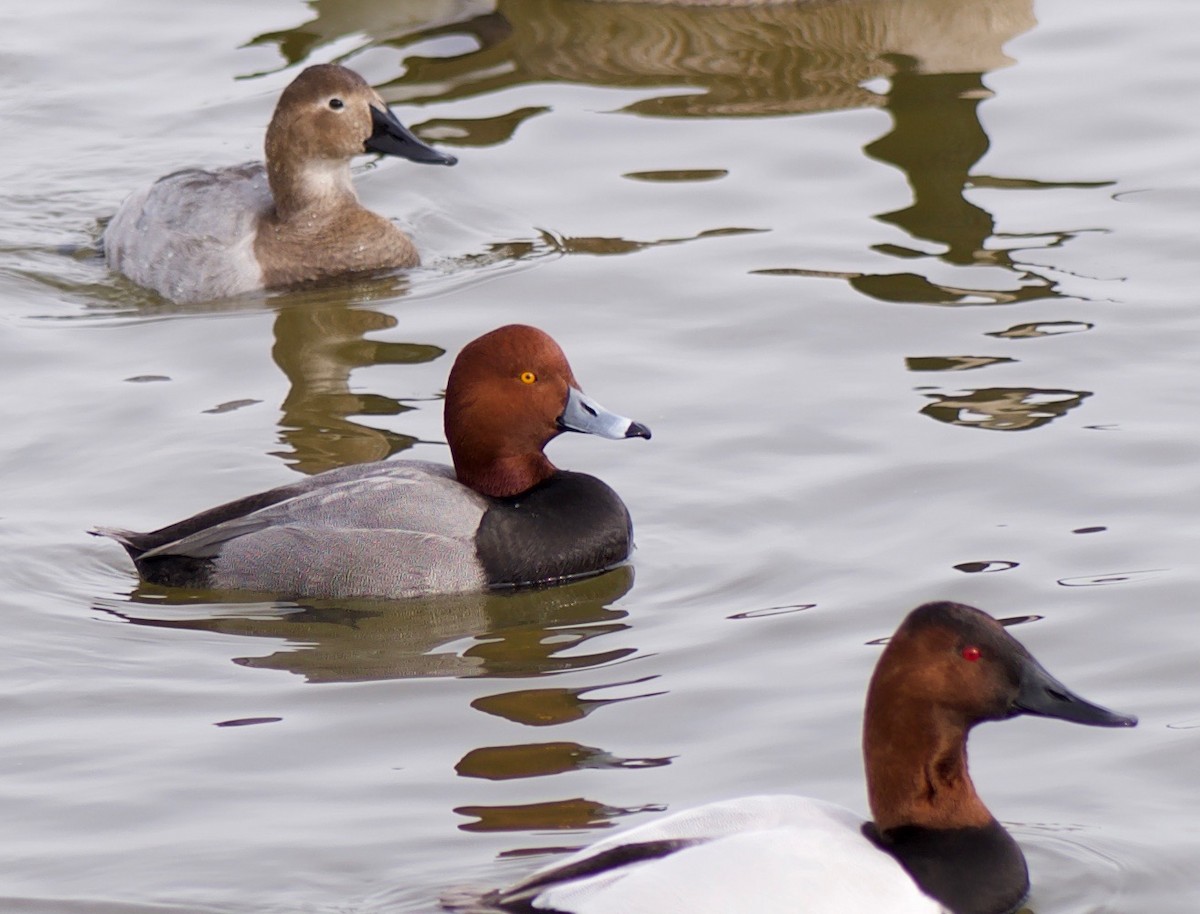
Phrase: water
(904, 291)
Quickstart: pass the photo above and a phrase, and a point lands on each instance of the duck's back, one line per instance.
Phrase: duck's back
(764, 854)
(190, 235)
(387, 529)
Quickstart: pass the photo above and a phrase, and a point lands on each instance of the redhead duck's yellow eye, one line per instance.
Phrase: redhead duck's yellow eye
(336, 104)
(528, 377)
(971, 653)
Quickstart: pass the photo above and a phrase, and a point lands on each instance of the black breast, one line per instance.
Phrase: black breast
(969, 870)
(572, 524)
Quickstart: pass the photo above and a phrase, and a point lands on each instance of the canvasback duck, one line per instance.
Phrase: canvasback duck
(503, 516)
(200, 235)
(931, 848)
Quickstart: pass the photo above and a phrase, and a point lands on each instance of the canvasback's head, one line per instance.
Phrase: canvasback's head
(510, 392)
(329, 114)
(947, 668)
(962, 662)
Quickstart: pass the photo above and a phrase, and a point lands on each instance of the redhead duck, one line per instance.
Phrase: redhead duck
(931, 848)
(199, 235)
(503, 516)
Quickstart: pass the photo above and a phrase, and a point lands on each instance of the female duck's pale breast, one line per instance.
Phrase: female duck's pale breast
(190, 235)
(765, 854)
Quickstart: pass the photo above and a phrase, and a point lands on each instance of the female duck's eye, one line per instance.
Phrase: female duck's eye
(528, 377)
(971, 653)
(336, 104)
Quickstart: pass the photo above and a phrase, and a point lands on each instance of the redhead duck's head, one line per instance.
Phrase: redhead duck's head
(947, 668)
(510, 392)
(326, 116)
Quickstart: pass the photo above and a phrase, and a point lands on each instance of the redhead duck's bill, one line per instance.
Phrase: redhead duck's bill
(199, 235)
(583, 414)
(504, 516)
(932, 848)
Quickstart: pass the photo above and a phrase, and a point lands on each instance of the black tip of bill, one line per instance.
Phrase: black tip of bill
(1043, 695)
(390, 137)
(637, 430)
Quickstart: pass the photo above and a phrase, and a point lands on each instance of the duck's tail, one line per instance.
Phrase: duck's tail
(127, 539)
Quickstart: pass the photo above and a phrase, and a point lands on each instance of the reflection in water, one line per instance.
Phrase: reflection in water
(1006, 409)
(521, 633)
(318, 343)
(550, 707)
(675, 175)
(1041, 328)
(760, 59)
(503, 763)
(935, 140)
(1115, 577)
(558, 815)
(953, 362)
(985, 567)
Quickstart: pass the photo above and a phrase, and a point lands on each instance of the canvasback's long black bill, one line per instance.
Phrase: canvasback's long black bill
(392, 138)
(1041, 694)
(583, 414)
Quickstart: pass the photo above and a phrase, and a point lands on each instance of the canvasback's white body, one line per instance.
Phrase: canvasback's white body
(805, 854)
(199, 235)
(931, 847)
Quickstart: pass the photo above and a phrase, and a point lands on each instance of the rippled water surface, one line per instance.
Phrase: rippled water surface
(906, 291)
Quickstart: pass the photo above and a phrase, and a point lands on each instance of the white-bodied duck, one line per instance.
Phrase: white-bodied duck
(932, 846)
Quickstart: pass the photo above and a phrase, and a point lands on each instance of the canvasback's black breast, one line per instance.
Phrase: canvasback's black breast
(969, 870)
(569, 525)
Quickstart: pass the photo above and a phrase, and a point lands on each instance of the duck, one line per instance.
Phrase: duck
(931, 846)
(502, 517)
(295, 219)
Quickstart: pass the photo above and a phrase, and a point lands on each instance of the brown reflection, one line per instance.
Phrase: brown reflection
(503, 763)
(318, 343)
(556, 815)
(521, 633)
(1005, 409)
(779, 58)
(1040, 329)
(549, 707)
(953, 362)
(936, 140)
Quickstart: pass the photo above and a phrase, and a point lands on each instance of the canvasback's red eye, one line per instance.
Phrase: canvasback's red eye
(971, 653)
(528, 377)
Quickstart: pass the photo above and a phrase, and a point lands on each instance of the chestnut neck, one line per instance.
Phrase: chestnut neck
(503, 477)
(916, 764)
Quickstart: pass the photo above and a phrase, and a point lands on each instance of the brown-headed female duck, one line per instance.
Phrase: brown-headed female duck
(932, 848)
(503, 516)
(200, 235)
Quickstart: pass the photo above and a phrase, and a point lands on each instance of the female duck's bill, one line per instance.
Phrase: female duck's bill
(932, 847)
(503, 516)
(199, 235)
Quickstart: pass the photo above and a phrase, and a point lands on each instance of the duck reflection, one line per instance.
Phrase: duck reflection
(936, 140)
(1005, 409)
(502, 763)
(739, 59)
(318, 343)
(520, 633)
(549, 707)
(574, 814)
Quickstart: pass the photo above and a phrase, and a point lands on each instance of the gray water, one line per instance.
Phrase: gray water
(905, 291)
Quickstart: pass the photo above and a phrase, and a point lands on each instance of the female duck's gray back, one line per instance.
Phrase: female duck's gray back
(190, 235)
